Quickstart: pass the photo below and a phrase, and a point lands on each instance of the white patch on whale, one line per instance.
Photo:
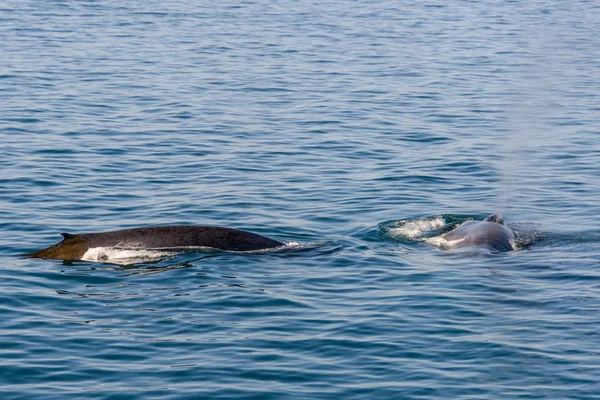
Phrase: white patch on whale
(125, 256)
(442, 243)
(132, 255)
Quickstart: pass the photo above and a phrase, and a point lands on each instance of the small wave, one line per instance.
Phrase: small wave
(286, 246)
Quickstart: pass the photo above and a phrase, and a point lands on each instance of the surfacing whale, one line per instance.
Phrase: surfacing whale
(492, 232)
(74, 247)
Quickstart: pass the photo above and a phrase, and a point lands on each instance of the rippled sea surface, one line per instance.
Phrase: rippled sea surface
(310, 122)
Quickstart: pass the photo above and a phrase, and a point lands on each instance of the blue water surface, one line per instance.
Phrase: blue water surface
(315, 123)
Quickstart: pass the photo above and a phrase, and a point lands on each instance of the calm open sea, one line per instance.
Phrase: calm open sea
(321, 123)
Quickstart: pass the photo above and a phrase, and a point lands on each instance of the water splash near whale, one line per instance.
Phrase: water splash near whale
(439, 231)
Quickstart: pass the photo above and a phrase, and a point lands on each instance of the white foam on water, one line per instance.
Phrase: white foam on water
(285, 246)
(415, 229)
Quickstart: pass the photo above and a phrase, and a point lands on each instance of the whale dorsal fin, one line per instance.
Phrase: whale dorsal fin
(68, 235)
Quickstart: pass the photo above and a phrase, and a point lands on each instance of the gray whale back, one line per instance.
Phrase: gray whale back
(491, 233)
(73, 247)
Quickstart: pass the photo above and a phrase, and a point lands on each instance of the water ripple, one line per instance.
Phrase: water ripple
(312, 123)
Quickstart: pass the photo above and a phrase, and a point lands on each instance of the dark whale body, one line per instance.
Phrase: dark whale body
(73, 247)
(491, 233)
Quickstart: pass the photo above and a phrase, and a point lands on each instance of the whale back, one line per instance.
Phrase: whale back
(165, 237)
(492, 233)
(73, 247)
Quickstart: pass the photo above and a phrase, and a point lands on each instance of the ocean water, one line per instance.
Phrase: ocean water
(321, 124)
